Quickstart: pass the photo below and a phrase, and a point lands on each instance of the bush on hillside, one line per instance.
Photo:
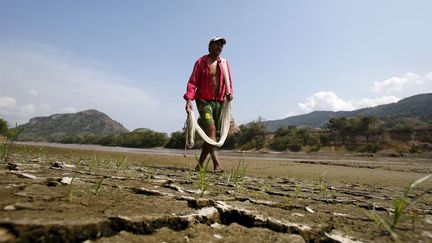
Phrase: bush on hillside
(146, 139)
(3, 127)
(372, 147)
(293, 139)
(251, 136)
(177, 140)
(230, 142)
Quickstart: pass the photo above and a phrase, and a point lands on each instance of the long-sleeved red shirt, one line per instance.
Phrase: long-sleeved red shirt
(200, 86)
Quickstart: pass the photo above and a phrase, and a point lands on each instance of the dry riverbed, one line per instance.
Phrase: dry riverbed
(75, 195)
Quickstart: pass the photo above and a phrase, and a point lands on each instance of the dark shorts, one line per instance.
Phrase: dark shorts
(210, 113)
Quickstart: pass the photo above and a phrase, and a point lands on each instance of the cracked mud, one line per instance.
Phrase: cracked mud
(64, 197)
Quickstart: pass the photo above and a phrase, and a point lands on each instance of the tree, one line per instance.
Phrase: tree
(292, 139)
(141, 139)
(153, 139)
(3, 127)
(337, 124)
(177, 140)
(252, 135)
(346, 131)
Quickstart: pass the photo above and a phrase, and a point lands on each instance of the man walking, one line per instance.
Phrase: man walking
(207, 87)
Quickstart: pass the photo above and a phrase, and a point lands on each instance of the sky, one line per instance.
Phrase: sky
(132, 59)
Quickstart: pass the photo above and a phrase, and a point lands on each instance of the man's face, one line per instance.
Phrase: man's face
(216, 47)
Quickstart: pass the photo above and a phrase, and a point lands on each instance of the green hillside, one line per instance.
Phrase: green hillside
(418, 106)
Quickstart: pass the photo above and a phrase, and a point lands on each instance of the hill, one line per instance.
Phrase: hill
(419, 106)
(58, 126)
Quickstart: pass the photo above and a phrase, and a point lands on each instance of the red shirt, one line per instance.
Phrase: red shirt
(200, 86)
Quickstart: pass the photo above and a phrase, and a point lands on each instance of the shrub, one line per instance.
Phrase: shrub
(293, 139)
(230, 142)
(145, 139)
(106, 140)
(414, 149)
(177, 140)
(3, 127)
(279, 144)
(315, 148)
(252, 135)
(153, 139)
(294, 147)
(325, 139)
(373, 147)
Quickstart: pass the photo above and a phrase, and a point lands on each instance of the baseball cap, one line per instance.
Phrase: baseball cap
(217, 38)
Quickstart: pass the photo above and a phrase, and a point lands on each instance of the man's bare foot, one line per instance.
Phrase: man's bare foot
(218, 170)
(198, 167)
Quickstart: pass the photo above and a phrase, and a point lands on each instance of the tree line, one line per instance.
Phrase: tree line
(358, 134)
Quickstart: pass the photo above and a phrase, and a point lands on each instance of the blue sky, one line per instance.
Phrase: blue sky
(132, 59)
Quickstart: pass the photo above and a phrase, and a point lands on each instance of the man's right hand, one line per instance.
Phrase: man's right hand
(189, 105)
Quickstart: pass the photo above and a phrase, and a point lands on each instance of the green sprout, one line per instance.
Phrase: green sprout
(94, 163)
(347, 230)
(382, 224)
(78, 162)
(322, 184)
(70, 189)
(99, 184)
(189, 173)
(286, 199)
(40, 152)
(203, 184)
(6, 147)
(149, 172)
(298, 190)
(400, 205)
(120, 162)
(237, 174)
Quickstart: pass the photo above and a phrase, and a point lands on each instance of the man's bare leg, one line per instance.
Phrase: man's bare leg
(215, 158)
(207, 148)
(204, 152)
(211, 132)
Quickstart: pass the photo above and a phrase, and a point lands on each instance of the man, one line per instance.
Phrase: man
(207, 87)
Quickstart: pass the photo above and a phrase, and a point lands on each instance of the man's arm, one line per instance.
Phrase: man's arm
(192, 83)
(188, 105)
(230, 95)
(191, 87)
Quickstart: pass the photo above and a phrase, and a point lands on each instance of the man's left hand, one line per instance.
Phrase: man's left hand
(229, 97)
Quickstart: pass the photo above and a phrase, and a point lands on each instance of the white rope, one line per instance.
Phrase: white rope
(192, 125)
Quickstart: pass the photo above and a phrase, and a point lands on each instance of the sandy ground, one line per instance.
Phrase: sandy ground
(350, 168)
(132, 195)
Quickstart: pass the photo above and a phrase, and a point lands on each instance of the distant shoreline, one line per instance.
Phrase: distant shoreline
(271, 155)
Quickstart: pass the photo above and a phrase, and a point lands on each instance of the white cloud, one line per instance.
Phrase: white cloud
(325, 100)
(7, 102)
(329, 101)
(30, 110)
(61, 82)
(407, 85)
(68, 110)
(364, 102)
(409, 82)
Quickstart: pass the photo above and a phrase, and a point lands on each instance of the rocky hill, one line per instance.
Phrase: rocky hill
(58, 126)
(419, 106)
